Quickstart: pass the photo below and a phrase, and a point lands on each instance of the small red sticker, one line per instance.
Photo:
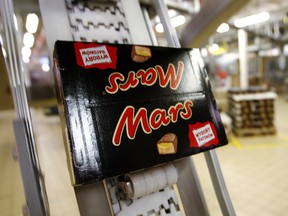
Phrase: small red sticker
(92, 55)
(202, 134)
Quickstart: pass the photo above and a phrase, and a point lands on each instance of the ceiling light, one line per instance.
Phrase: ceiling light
(224, 27)
(15, 22)
(32, 21)
(175, 22)
(45, 67)
(214, 47)
(285, 50)
(44, 60)
(28, 39)
(178, 20)
(26, 51)
(252, 20)
(159, 28)
(204, 52)
(171, 13)
(25, 59)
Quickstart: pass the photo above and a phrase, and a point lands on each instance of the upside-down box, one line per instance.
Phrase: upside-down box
(125, 107)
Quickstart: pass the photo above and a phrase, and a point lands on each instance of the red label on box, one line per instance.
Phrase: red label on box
(95, 56)
(202, 134)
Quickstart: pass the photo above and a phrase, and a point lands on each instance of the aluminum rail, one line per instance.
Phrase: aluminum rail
(32, 179)
(173, 41)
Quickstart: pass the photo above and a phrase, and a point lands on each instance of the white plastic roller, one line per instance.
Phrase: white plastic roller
(142, 183)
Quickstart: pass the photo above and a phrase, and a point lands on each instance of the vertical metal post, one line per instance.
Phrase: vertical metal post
(210, 156)
(33, 183)
(242, 46)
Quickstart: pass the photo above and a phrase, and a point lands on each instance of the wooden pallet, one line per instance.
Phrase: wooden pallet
(254, 131)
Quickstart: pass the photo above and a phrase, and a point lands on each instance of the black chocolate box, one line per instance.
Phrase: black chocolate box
(128, 107)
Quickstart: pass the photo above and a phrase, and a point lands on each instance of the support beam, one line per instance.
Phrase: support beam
(243, 62)
(205, 23)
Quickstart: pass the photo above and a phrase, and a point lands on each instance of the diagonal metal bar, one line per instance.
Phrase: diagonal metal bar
(211, 157)
(205, 23)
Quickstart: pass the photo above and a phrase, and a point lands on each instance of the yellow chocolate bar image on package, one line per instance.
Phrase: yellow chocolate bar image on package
(167, 144)
(140, 54)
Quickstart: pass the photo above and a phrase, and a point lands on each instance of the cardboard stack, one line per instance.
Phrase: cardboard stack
(252, 111)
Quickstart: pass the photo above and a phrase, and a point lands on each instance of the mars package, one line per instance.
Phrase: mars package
(127, 107)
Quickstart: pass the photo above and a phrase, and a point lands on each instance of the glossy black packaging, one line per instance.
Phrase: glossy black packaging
(128, 107)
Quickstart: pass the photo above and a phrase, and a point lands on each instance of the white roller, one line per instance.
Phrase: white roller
(150, 180)
(171, 174)
(138, 185)
(159, 174)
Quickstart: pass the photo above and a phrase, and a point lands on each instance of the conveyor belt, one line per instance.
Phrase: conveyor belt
(106, 22)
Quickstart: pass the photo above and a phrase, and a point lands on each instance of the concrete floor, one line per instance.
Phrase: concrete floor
(254, 168)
